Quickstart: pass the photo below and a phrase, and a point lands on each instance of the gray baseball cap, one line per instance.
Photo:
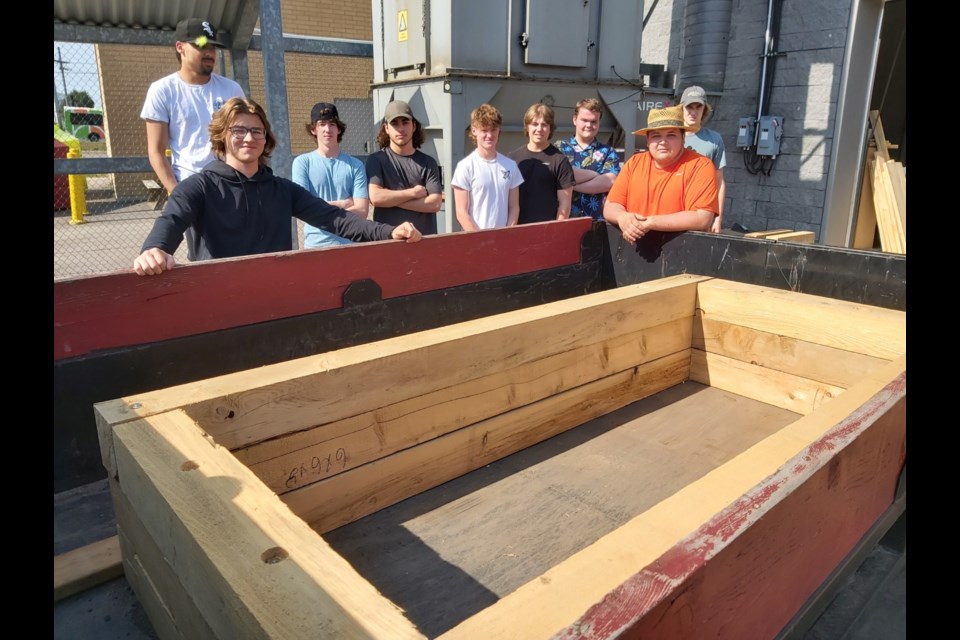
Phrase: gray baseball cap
(396, 109)
(692, 95)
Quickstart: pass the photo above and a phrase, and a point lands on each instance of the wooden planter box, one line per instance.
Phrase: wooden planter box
(723, 447)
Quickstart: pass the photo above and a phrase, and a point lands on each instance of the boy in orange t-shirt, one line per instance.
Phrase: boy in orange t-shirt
(669, 188)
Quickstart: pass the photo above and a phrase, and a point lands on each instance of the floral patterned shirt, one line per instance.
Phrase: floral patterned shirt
(596, 157)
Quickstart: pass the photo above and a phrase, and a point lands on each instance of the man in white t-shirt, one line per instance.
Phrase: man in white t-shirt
(178, 107)
(486, 184)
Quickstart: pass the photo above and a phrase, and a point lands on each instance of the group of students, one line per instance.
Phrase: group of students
(233, 205)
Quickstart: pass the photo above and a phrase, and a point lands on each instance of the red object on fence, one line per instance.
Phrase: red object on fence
(61, 183)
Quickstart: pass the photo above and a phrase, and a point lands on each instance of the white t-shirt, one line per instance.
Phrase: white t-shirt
(489, 183)
(187, 109)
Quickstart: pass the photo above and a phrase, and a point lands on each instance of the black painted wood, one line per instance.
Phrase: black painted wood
(868, 277)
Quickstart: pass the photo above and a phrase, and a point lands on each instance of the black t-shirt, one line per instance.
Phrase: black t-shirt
(392, 171)
(544, 173)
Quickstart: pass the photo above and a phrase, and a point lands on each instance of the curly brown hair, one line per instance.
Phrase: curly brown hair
(484, 117)
(383, 138)
(219, 127)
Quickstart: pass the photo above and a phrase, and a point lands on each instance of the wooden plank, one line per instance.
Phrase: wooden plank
(898, 185)
(86, 567)
(817, 362)
(251, 566)
(249, 406)
(853, 327)
(891, 235)
(219, 294)
(780, 389)
(627, 573)
(150, 600)
(865, 234)
(293, 461)
(805, 237)
(760, 235)
(879, 138)
(359, 492)
(174, 606)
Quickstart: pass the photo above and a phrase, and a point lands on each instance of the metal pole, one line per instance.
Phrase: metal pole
(63, 76)
(275, 86)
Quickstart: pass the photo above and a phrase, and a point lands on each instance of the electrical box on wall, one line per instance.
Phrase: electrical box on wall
(771, 130)
(745, 132)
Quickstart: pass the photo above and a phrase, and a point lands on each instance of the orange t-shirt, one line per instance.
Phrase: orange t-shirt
(688, 185)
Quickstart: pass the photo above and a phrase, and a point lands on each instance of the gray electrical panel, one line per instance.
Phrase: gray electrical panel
(557, 32)
(768, 140)
(745, 133)
(404, 42)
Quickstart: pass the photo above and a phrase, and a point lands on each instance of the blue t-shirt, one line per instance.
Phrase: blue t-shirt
(330, 179)
(708, 142)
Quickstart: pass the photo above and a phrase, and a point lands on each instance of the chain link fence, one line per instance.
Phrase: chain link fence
(101, 219)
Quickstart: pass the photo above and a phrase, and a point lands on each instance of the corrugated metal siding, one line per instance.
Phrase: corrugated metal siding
(706, 34)
(147, 14)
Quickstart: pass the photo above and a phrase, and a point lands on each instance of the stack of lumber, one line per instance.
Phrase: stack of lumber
(883, 201)
(783, 235)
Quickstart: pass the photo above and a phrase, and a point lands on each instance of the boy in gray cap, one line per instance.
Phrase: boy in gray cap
(707, 142)
(404, 181)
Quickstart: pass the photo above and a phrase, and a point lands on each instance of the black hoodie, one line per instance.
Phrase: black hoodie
(233, 215)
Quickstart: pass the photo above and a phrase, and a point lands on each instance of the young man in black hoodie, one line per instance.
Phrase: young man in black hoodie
(237, 207)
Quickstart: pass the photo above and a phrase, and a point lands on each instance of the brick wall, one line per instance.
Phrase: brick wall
(126, 72)
(328, 18)
(312, 79)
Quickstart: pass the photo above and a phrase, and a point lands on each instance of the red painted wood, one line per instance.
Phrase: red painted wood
(746, 573)
(122, 309)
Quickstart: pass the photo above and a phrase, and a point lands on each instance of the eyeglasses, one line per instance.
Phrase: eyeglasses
(241, 132)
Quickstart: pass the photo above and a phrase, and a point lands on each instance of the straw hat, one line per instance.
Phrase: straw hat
(666, 118)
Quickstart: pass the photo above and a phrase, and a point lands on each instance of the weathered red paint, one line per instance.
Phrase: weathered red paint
(748, 571)
(231, 293)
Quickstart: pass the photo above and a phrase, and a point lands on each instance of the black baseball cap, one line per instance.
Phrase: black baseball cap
(193, 29)
(324, 111)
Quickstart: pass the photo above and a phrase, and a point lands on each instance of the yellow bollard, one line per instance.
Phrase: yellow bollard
(78, 193)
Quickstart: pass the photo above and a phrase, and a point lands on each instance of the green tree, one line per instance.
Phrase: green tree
(79, 99)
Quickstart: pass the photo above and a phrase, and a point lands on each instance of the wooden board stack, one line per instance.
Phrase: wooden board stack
(884, 196)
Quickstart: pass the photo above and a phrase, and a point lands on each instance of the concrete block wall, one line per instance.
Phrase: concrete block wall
(804, 91)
